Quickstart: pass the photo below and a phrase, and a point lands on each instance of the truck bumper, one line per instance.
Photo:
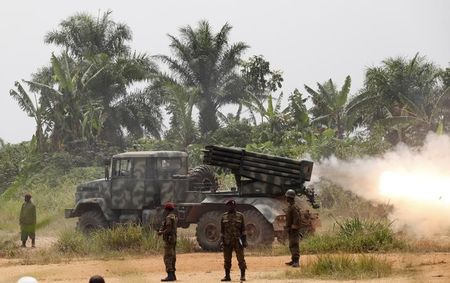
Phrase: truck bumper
(68, 213)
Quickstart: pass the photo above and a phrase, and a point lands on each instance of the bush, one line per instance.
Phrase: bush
(8, 247)
(344, 267)
(72, 242)
(121, 237)
(355, 235)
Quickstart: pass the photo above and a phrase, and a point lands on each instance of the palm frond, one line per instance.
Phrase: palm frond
(23, 99)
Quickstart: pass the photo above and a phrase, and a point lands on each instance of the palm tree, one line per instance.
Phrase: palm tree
(417, 119)
(180, 103)
(329, 105)
(390, 92)
(207, 61)
(83, 36)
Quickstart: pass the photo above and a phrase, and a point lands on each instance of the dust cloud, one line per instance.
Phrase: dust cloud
(415, 181)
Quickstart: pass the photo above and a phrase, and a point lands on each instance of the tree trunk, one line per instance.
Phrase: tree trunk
(207, 116)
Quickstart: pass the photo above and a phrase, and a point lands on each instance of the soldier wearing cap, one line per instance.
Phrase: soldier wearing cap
(233, 237)
(27, 221)
(169, 232)
(293, 228)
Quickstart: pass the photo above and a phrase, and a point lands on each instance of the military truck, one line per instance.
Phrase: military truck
(138, 184)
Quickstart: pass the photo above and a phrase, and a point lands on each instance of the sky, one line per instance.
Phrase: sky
(309, 41)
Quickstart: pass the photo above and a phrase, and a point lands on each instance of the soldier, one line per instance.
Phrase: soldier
(27, 221)
(293, 228)
(169, 232)
(233, 237)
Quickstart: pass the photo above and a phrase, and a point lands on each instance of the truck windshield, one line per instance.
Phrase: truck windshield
(122, 167)
(170, 164)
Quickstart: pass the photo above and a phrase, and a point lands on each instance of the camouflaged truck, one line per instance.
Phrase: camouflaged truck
(137, 184)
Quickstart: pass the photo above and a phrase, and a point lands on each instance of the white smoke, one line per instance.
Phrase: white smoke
(415, 181)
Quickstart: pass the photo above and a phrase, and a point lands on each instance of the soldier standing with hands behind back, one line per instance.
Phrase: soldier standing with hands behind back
(169, 232)
(233, 238)
(293, 228)
(27, 221)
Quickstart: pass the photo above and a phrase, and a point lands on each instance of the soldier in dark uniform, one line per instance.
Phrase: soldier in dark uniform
(233, 238)
(28, 221)
(169, 232)
(293, 228)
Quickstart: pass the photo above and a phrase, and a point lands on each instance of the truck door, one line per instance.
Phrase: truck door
(128, 183)
(166, 168)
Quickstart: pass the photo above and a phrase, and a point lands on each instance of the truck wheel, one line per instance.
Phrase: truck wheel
(202, 178)
(208, 231)
(259, 230)
(90, 221)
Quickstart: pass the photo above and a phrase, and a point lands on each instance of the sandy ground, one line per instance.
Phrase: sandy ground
(207, 267)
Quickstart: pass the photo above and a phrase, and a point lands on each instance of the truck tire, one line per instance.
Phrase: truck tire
(202, 178)
(208, 231)
(91, 220)
(259, 230)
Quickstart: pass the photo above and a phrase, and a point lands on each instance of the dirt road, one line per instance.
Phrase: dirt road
(207, 267)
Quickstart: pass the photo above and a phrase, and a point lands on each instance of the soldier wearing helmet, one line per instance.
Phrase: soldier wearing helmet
(233, 237)
(169, 232)
(27, 221)
(292, 228)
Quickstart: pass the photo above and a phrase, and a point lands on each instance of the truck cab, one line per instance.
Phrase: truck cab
(134, 183)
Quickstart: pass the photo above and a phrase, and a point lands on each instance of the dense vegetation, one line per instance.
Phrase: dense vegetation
(83, 99)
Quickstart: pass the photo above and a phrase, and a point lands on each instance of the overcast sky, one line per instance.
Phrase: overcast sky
(310, 41)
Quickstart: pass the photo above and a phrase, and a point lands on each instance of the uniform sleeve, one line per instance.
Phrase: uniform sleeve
(289, 217)
(242, 225)
(164, 225)
(222, 228)
(169, 225)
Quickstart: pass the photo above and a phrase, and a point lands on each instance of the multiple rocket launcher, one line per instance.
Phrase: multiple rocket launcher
(276, 174)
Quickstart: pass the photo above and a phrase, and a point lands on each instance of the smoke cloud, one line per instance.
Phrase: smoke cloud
(415, 181)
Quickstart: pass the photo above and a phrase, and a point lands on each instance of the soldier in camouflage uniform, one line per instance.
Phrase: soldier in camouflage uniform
(169, 232)
(233, 238)
(293, 228)
(27, 221)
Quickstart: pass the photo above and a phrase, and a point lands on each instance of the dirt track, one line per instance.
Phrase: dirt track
(207, 267)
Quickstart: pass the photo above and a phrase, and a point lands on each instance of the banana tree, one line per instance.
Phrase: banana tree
(34, 110)
(64, 98)
(329, 105)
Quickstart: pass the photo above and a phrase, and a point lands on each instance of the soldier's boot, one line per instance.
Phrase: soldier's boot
(243, 274)
(295, 262)
(170, 277)
(227, 275)
(174, 276)
(24, 244)
(290, 262)
(33, 243)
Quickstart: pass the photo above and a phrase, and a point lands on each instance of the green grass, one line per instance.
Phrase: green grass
(343, 267)
(119, 241)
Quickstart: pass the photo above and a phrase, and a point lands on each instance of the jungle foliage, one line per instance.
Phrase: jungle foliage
(82, 99)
